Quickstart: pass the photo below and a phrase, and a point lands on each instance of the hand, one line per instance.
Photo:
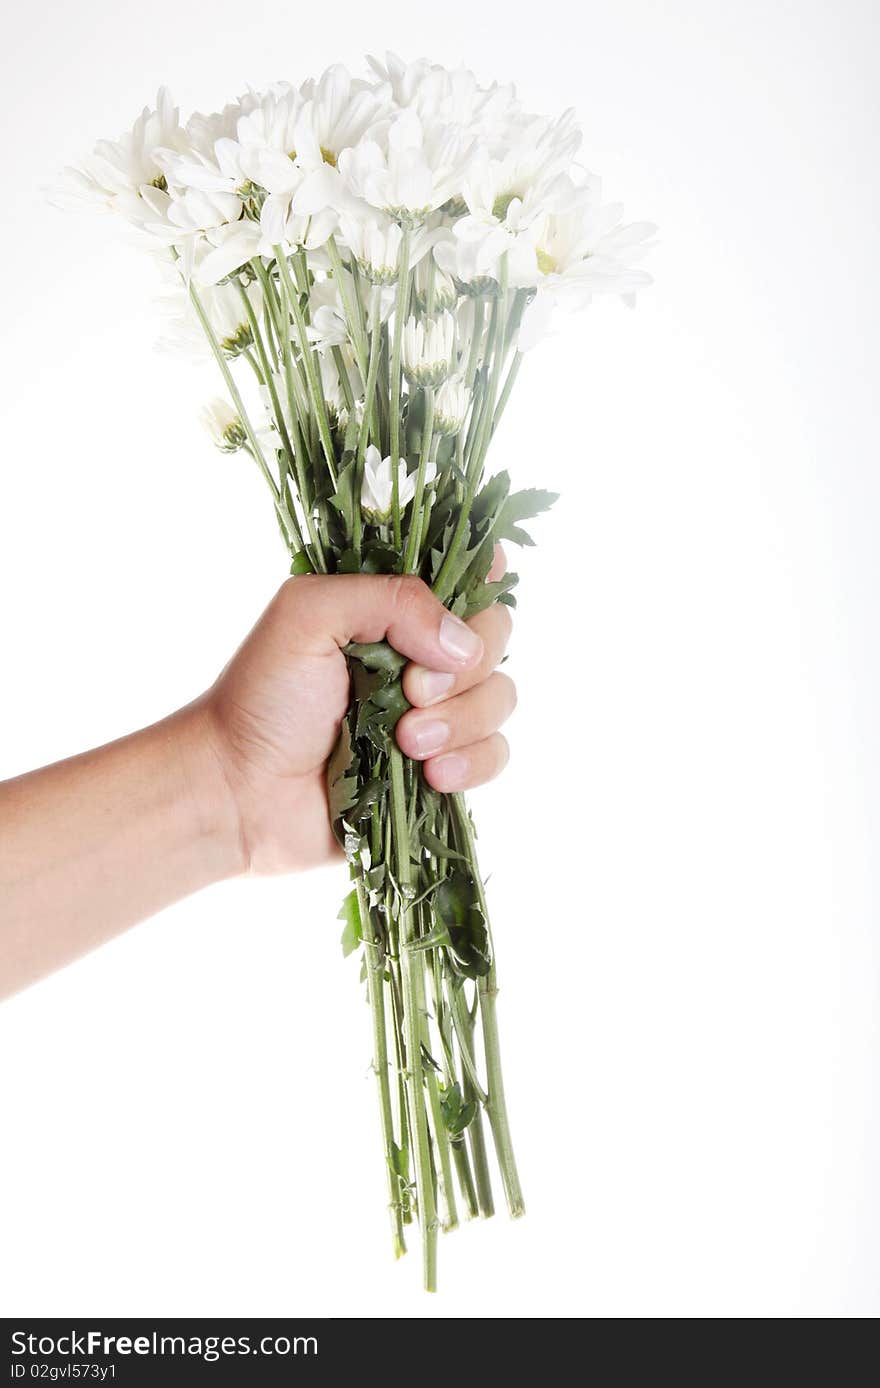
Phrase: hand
(273, 716)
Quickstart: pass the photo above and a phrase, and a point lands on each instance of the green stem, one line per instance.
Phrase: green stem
(444, 1151)
(448, 575)
(231, 386)
(477, 1139)
(415, 519)
(269, 382)
(369, 394)
(313, 374)
(376, 992)
(413, 1011)
(400, 312)
(487, 992)
(349, 308)
(508, 387)
(282, 329)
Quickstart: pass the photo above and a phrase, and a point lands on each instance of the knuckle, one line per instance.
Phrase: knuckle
(503, 623)
(508, 689)
(295, 590)
(405, 591)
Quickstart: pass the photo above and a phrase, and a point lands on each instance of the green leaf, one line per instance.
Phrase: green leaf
(487, 593)
(456, 909)
(369, 796)
(492, 496)
(376, 655)
(342, 781)
(301, 564)
(429, 1062)
(457, 1114)
(392, 703)
(440, 849)
(518, 536)
(438, 935)
(521, 506)
(349, 562)
(380, 559)
(399, 1161)
(352, 931)
(343, 500)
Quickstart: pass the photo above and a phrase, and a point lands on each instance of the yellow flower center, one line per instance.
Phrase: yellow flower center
(501, 205)
(329, 157)
(547, 264)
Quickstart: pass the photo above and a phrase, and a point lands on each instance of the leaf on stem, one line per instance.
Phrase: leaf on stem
(352, 931)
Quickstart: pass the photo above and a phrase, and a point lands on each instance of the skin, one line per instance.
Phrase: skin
(235, 782)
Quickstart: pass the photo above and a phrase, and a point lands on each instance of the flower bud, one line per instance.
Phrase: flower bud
(224, 426)
(451, 406)
(428, 348)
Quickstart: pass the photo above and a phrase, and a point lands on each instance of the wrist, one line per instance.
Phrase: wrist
(215, 822)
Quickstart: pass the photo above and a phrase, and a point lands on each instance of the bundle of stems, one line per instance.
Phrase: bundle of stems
(417, 908)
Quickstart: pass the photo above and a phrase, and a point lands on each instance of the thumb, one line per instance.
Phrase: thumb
(401, 609)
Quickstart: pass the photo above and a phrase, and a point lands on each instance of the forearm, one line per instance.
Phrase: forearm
(92, 845)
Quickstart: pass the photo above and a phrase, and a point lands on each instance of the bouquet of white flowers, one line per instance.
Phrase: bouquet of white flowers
(375, 255)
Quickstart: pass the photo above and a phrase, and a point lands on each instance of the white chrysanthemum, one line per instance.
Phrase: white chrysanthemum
(472, 265)
(375, 242)
(337, 113)
(224, 309)
(281, 177)
(415, 169)
(582, 251)
(329, 325)
(375, 245)
(451, 406)
(378, 485)
(270, 121)
(428, 349)
(224, 426)
(445, 293)
(449, 96)
(334, 394)
(217, 170)
(505, 196)
(117, 173)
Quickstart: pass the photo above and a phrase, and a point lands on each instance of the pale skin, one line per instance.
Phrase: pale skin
(235, 782)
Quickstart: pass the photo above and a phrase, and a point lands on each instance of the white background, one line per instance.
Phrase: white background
(683, 851)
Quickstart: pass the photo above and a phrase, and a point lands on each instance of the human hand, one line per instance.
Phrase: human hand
(273, 716)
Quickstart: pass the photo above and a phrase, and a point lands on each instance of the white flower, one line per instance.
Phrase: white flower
(328, 327)
(334, 393)
(224, 426)
(227, 248)
(336, 114)
(446, 295)
(449, 97)
(451, 406)
(415, 169)
(428, 348)
(375, 245)
(377, 490)
(582, 251)
(119, 172)
(269, 120)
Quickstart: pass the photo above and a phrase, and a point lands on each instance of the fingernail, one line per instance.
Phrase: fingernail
(430, 736)
(433, 684)
(459, 641)
(448, 773)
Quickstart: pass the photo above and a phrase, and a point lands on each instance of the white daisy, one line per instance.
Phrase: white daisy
(378, 486)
